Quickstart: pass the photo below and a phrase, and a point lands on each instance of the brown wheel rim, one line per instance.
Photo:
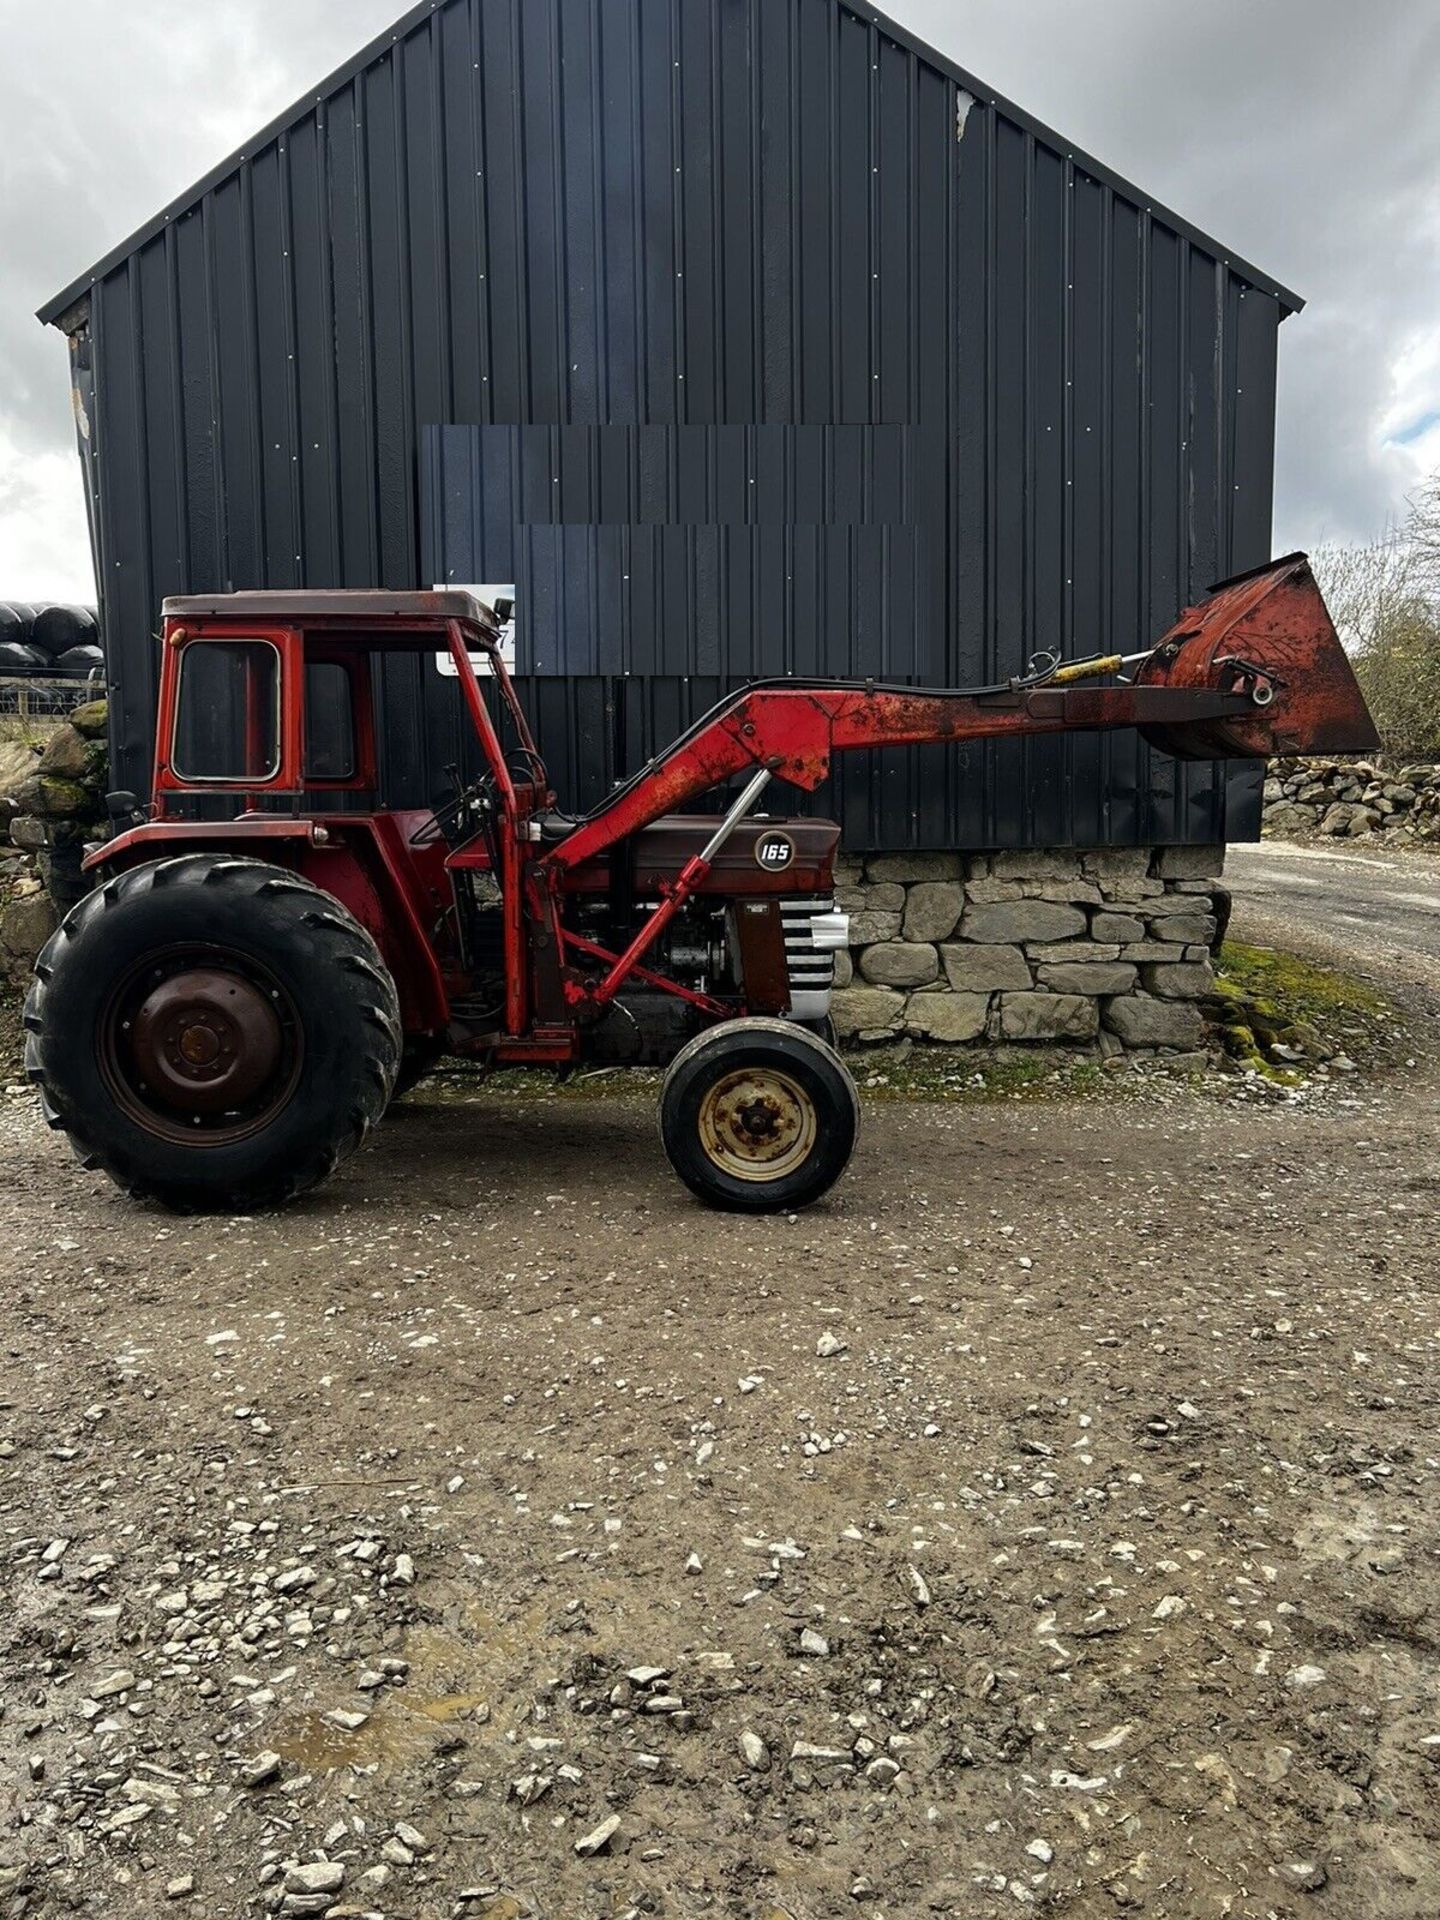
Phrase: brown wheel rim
(200, 1046)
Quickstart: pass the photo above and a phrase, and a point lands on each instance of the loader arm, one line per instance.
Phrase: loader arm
(1257, 670)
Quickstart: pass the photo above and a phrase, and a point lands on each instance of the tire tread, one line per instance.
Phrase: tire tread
(358, 970)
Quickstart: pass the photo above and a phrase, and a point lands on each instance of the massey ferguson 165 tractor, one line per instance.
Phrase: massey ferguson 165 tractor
(271, 954)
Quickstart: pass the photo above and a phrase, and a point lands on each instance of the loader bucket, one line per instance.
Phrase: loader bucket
(1269, 631)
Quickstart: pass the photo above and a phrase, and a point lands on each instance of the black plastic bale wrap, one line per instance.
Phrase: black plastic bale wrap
(59, 629)
(80, 660)
(62, 641)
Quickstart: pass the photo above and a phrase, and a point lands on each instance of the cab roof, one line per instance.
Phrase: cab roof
(341, 608)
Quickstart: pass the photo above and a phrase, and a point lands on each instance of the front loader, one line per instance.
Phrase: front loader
(271, 954)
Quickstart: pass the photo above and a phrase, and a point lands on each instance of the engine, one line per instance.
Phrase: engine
(762, 932)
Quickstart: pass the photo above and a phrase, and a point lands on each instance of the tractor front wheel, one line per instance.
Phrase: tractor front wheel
(759, 1116)
(215, 1034)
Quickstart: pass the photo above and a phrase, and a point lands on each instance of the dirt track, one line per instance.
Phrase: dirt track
(1116, 1517)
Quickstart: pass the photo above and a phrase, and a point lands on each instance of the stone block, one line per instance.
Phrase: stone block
(1141, 1021)
(55, 799)
(986, 969)
(1116, 863)
(868, 1013)
(1034, 864)
(869, 929)
(1048, 1016)
(1072, 953)
(1195, 930)
(910, 868)
(1096, 982)
(26, 924)
(871, 899)
(1078, 892)
(1121, 929)
(69, 756)
(844, 969)
(28, 832)
(1008, 925)
(1175, 903)
(952, 1019)
(900, 963)
(933, 910)
(1153, 953)
(989, 893)
(92, 720)
(1128, 891)
(1182, 981)
(1189, 863)
(1289, 817)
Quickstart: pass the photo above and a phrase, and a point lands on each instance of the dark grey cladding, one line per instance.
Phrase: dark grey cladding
(990, 399)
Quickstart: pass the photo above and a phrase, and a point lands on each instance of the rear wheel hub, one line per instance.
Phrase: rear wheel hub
(204, 1046)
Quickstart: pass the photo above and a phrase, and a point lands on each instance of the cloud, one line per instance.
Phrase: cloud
(1301, 134)
(44, 546)
(1298, 132)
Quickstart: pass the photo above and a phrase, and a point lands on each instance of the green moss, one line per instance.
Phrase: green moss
(1287, 988)
(969, 1075)
(1265, 999)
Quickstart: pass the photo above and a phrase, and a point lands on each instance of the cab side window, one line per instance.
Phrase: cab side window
(329, 722)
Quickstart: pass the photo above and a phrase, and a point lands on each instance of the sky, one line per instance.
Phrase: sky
(1302, 134)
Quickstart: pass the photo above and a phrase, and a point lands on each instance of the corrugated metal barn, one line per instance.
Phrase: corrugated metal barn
(744, 336)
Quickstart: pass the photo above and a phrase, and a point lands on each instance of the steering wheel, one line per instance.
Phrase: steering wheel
(459, 818)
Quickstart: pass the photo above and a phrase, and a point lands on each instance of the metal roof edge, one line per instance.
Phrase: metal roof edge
(368, 55)
(56, 308)
(1263, 282)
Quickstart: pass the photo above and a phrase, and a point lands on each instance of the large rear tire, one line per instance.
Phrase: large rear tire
(418, 1060)
(759, 1116)
(215, 1034)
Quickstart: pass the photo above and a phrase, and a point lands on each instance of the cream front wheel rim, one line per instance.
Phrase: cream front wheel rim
(758, 1124)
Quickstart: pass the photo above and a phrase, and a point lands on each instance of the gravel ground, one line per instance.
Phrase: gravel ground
(1378, 906)
(1048, 1522)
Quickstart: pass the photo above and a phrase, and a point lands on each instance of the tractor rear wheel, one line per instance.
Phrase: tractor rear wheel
(215, 1034)
(418, 1060)
(759, 1116)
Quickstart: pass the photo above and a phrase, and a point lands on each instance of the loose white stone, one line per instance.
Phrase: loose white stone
(347, 1722)
(1301, 1677)
(120, 1681)
(599, 1837)
(317, 1876)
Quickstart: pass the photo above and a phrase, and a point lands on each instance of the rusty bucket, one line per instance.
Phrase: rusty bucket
(1268, 633)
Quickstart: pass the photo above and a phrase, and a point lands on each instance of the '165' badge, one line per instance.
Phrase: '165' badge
(775, 852)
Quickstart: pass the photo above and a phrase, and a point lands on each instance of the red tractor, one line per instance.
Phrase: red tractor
(272, 954)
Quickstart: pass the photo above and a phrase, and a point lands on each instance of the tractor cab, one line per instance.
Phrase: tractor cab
(268, 704)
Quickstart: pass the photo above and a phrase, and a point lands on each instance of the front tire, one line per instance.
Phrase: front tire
(759, 1116)
(215, 1034)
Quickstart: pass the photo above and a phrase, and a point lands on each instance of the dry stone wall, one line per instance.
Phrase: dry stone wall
(1108, 950)
(51, 806)
(1348, 799)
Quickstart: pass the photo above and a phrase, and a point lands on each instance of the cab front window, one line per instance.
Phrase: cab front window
(227, 713)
